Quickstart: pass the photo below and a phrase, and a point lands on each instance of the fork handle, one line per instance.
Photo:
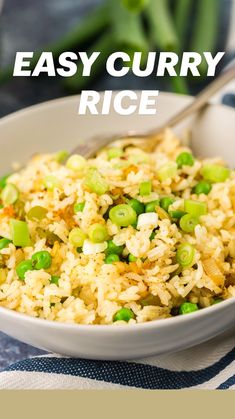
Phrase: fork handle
(201, 99)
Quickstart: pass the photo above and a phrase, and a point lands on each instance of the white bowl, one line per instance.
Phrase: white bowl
(55, 125)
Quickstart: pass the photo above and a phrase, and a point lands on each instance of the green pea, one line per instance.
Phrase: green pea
(152, 235)
(55, 279)
(4, 243)
(217, 301)
(137, 206)
(79, 207)
(202, 187)
(151, 206)
(177, 214)
(111, 258)
(166, 202)
(23, 267)
(113, 248)
(3, 181)
(185, 159)
(41, 260)
(186, 308)
(123, 314)
(132, 258)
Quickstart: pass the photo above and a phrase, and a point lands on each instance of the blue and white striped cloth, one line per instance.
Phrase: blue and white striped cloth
(208, 366)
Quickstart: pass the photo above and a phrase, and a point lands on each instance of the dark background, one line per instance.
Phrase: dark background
(28, 25)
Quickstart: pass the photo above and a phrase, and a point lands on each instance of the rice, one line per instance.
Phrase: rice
(89, 290)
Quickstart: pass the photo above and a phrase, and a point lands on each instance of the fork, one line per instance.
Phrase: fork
(148, 140)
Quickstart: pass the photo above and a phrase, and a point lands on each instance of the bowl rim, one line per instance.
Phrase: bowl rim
(95, 328)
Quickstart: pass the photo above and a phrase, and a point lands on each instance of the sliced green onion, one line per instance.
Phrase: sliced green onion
(186, 308)
(51, 182)
(123, 215)
(188, 223)
(151, 206)
(76, 163)
(97, 233)
(20, 233)
(113, 248)
(177, 214)
(90, 248)
(195, 208)
(137, 206)
(61, 156)
(111, 258)
(202, 187)
(184, 159)
(78, 207)
(37, 213)
(9, 194)
(167, 171)
(77, 237)
(124, 314)
(114, 153)
(185, 255)
(3, 181)
(145, 188)
(138, 158)
(215, 173)
(95, 182)
(4, 243)
(166, 202)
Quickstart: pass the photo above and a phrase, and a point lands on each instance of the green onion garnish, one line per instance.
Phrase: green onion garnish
(20, 233)
(77, 237)
(195, 208)
(114, 153)
(123, 215)
(9, 194)
(215, 173)
(145, 188)
(37, 213)
(76, 163)
(185, 255)
(188, 223)
(167, 171)
(97, 233)
(95, 182)
(51, 182)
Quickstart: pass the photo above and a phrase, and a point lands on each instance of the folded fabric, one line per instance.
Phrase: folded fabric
(210, 365)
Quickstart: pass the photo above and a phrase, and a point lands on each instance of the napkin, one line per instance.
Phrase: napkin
(210, 365)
